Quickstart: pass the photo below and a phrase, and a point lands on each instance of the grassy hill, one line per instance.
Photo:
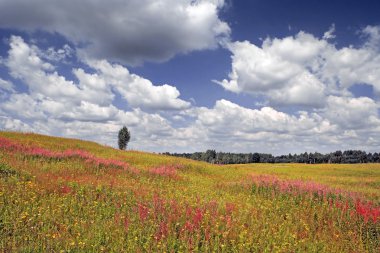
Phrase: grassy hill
(67, 195)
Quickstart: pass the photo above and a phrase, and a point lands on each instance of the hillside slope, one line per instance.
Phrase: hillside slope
(68, 195)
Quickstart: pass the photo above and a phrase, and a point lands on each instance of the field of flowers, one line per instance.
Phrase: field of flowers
(66, 195)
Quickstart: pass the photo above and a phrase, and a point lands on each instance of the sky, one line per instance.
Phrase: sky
(189, 75)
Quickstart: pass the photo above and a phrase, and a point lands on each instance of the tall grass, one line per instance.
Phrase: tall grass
(64, 195)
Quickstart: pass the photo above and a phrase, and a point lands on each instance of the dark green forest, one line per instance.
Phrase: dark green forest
(348, 156)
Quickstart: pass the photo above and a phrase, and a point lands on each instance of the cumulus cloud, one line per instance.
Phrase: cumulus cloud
(313, 74)
(23, 106)
(264, 130)
(57, 55)
(303, 69)
(348, 66)
(96, 88)
(330, 33)
(42, 79)
(161, 121)
(138, 91)
(345, 123)
(84, 108)
(373, 36)
(10, 123)
(352, 113)
(54, 105)
(127, 31)
(228, 115)
(6, 85)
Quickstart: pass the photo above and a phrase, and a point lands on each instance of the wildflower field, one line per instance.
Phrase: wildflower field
(66, 195)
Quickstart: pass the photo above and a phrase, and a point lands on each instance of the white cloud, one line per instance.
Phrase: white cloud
(330, 33)
(349, 66)
(24, 63)
(128, 31)
(373, 36)
(57, 106)
(228, 126)
(6, 85)
(255, 70)
(9, 123)
(149, 131)
(356, 113)
(346, 123)
(91, 112)
(161, 121)
(303, 70)
(23, 106)
(300, 49)
(228, 115)
(57, 55)
(43, 81)
(138, 91)
(304, 89)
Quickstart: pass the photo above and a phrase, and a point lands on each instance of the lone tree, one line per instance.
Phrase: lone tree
(124, 137)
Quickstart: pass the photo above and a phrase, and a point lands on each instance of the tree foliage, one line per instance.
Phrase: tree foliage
(123, 137)
(348, 156)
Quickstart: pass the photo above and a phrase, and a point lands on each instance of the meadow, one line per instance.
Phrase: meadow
(67, 195)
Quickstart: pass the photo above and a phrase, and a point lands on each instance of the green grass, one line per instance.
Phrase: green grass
(70, 205)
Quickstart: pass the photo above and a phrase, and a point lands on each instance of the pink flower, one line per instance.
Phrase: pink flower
(197, 218)
(69, 153)
(126, 223)
(366, 210)
(162, 231)
(65, 189)
(143, 212)
(165, 171)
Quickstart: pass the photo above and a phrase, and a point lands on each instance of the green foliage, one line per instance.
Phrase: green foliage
(123, 138)
(5, 171)
(348, 156)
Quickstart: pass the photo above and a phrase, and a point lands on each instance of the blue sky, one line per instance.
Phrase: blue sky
(241, 76)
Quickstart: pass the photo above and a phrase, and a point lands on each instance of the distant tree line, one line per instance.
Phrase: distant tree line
(348, 156)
